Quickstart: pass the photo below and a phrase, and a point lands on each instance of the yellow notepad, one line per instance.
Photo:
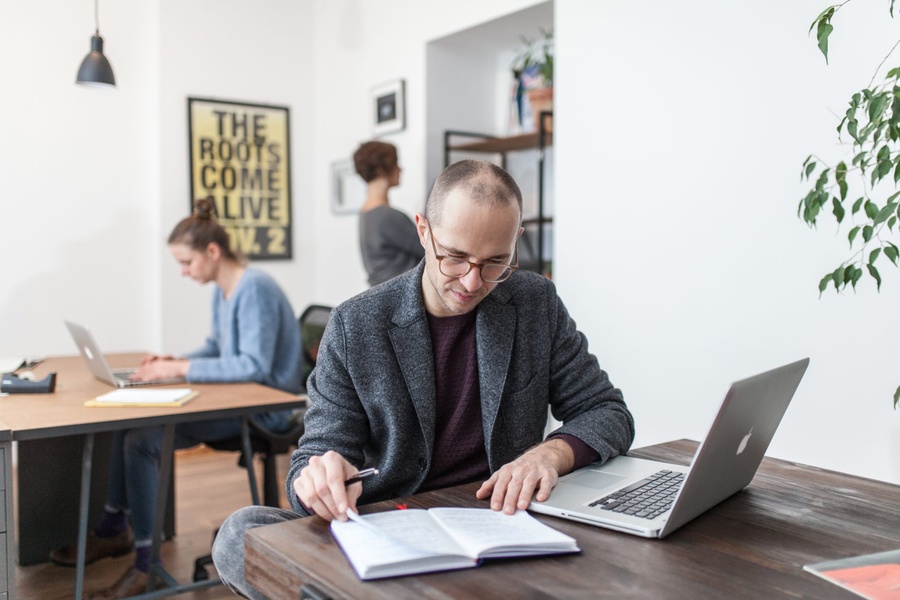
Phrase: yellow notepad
(144, 397)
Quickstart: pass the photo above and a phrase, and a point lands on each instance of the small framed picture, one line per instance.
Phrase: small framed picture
(389, 107)
(348, 190)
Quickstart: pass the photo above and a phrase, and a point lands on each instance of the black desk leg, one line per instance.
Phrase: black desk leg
(166, 458)
(247, 449)
(84, 505)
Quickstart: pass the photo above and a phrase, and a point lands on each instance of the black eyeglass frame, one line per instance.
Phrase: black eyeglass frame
(440, 258)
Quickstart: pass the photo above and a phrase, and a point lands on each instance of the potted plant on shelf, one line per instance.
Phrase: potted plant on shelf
(533, 70)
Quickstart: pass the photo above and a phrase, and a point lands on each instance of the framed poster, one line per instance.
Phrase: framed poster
(348, 189)
(240, 159)
(389, 107)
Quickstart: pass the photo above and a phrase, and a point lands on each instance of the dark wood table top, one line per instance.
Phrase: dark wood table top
(752, 545)
(37, 416)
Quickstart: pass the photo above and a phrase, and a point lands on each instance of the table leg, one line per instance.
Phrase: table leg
(166, 457)
(170, 585)
(84, 504)
(248, 458)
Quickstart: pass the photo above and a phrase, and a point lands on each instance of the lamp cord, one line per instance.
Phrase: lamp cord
(97, 16)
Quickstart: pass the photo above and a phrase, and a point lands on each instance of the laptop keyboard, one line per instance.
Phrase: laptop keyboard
(647, 498)
(124, 377)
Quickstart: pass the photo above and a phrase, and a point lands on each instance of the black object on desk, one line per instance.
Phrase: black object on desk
(13, 384)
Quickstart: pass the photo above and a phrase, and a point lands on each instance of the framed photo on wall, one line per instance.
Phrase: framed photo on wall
(388, 105)
(348, 190)
(240, 158)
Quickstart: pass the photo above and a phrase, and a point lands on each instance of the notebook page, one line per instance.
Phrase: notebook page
(478, 530)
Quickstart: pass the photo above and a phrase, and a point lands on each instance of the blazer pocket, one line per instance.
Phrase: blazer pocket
(524, 415)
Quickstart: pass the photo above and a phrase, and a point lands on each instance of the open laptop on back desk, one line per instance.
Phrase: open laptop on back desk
(653, 499)
(98, 366)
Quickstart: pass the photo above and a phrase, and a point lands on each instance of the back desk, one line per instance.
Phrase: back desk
(50, 430)
(752, 545)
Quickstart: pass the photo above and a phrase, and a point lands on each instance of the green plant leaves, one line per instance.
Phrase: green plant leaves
(876, 106)
(823, 29)
(873, 255)
(884, 213)
(822, 32)
(872, 120)
(840, 278)
(875, 275)
(840, 176)
(536, 52)
(810, 168)
(871, 209)
(837, 209)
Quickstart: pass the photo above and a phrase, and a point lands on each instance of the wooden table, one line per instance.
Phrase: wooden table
(752, 545)
(50, 417)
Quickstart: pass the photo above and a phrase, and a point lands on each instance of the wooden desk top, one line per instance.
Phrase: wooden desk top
(34, 416)
(752, 545)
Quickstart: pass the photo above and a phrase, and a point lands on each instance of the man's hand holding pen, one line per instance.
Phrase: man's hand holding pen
(327, 485)
(364, 474)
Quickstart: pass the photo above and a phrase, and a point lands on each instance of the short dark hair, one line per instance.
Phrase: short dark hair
(374, 159)
(201, 229)
(484, 182)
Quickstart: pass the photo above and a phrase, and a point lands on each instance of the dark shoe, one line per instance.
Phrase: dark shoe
(96, 548)
(132, 583)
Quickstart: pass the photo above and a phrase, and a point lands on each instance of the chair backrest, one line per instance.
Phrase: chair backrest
(312, 326)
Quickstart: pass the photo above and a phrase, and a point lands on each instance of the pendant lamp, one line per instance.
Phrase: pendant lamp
(95, 70)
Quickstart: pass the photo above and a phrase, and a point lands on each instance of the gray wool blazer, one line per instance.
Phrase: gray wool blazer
(372, 392)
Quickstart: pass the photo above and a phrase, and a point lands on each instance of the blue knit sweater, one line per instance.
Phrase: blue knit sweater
(255, 337)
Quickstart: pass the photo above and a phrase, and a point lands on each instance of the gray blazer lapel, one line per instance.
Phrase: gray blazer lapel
(495, 330)
(411, 339)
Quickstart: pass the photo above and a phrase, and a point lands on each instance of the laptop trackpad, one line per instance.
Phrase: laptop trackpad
(594, 480)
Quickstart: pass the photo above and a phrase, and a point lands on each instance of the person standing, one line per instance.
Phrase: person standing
(443, 376)
(255, 337)
(387, 237)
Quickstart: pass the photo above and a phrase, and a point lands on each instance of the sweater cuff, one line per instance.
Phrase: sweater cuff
(584, 454)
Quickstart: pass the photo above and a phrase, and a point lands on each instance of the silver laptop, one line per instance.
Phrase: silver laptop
(89, 350)
(653, 499)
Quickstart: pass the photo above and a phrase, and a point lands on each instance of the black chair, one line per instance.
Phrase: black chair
(256, 439)
(312, 327)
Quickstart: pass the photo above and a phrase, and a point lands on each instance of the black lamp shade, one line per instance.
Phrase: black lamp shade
(95, 69)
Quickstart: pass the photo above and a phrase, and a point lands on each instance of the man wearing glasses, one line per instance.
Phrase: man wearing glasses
(443, 375)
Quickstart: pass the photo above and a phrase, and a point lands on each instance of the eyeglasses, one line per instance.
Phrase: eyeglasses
(453, 266)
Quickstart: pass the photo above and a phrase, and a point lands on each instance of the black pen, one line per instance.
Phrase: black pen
(364, 474)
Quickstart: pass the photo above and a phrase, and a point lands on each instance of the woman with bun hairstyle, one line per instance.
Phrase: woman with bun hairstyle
(255, 337)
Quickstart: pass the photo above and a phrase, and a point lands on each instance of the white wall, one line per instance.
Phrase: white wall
(677, 246)
(681, 132)
(78, 177)
(359, 45)
(96, 179)
(260, 53)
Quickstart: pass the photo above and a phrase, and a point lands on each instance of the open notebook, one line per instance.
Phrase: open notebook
(405, 542)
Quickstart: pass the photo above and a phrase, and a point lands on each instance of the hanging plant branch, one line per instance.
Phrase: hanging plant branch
(872, 211)
(872, 121)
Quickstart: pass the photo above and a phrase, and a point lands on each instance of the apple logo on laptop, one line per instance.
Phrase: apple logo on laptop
(743, 445)
(90, 354)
